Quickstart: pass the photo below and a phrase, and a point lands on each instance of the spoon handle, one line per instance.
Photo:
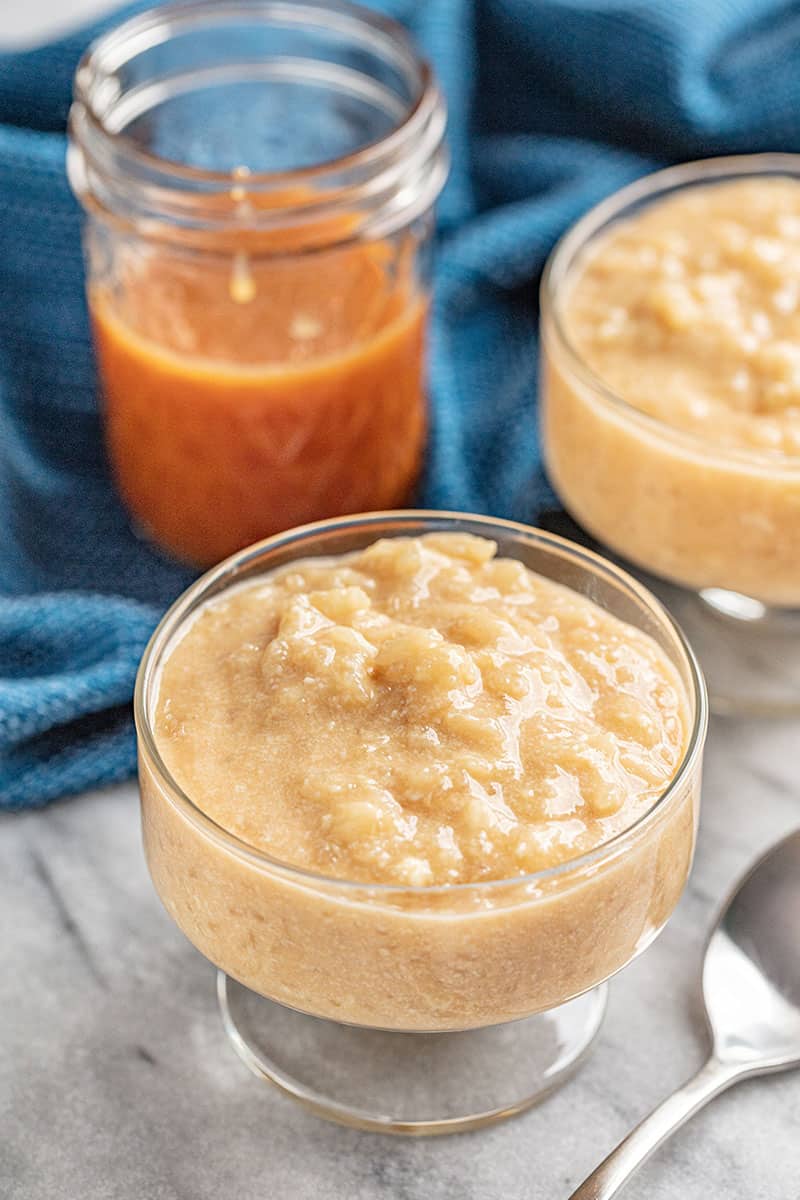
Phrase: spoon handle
(615, 1171)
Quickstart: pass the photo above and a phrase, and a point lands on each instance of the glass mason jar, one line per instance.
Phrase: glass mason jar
(259, 179)
(714, 526)
(416, 1009)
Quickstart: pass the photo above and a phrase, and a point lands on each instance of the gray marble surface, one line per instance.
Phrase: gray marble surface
(117, 1083)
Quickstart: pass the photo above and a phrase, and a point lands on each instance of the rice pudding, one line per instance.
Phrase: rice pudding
(420, 719)
(671, 382)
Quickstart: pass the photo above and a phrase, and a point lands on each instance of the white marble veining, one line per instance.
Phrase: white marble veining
(117, 1083)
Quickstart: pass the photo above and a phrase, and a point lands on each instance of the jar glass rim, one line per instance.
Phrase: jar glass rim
(110, 49)
(645, 190)
(224, 575)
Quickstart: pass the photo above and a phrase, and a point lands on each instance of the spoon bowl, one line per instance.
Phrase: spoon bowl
(751, 974)
(751, 991)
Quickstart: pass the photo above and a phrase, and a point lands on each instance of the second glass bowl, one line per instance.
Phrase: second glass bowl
(431, 975)
(717, 529)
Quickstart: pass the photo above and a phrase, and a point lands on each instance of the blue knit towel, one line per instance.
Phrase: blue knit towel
(553, 104)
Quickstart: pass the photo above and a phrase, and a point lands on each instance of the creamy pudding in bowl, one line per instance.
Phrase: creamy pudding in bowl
(419, 771)
(671, 388)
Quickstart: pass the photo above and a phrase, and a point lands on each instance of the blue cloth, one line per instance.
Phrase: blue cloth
(553, 104)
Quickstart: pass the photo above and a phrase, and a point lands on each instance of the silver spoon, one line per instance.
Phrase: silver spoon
(751, 990)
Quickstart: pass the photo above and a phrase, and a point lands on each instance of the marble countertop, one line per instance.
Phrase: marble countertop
(117, 1082)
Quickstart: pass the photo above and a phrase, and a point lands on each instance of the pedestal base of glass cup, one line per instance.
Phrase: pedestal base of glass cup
(409, 1083)
(749, 653)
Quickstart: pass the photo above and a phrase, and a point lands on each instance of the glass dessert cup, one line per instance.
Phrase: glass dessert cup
(417, 1010)
(714, 529)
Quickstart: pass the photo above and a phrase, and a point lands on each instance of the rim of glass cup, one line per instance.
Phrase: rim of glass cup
(619, 205)
(415, 520)
(412, 149)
